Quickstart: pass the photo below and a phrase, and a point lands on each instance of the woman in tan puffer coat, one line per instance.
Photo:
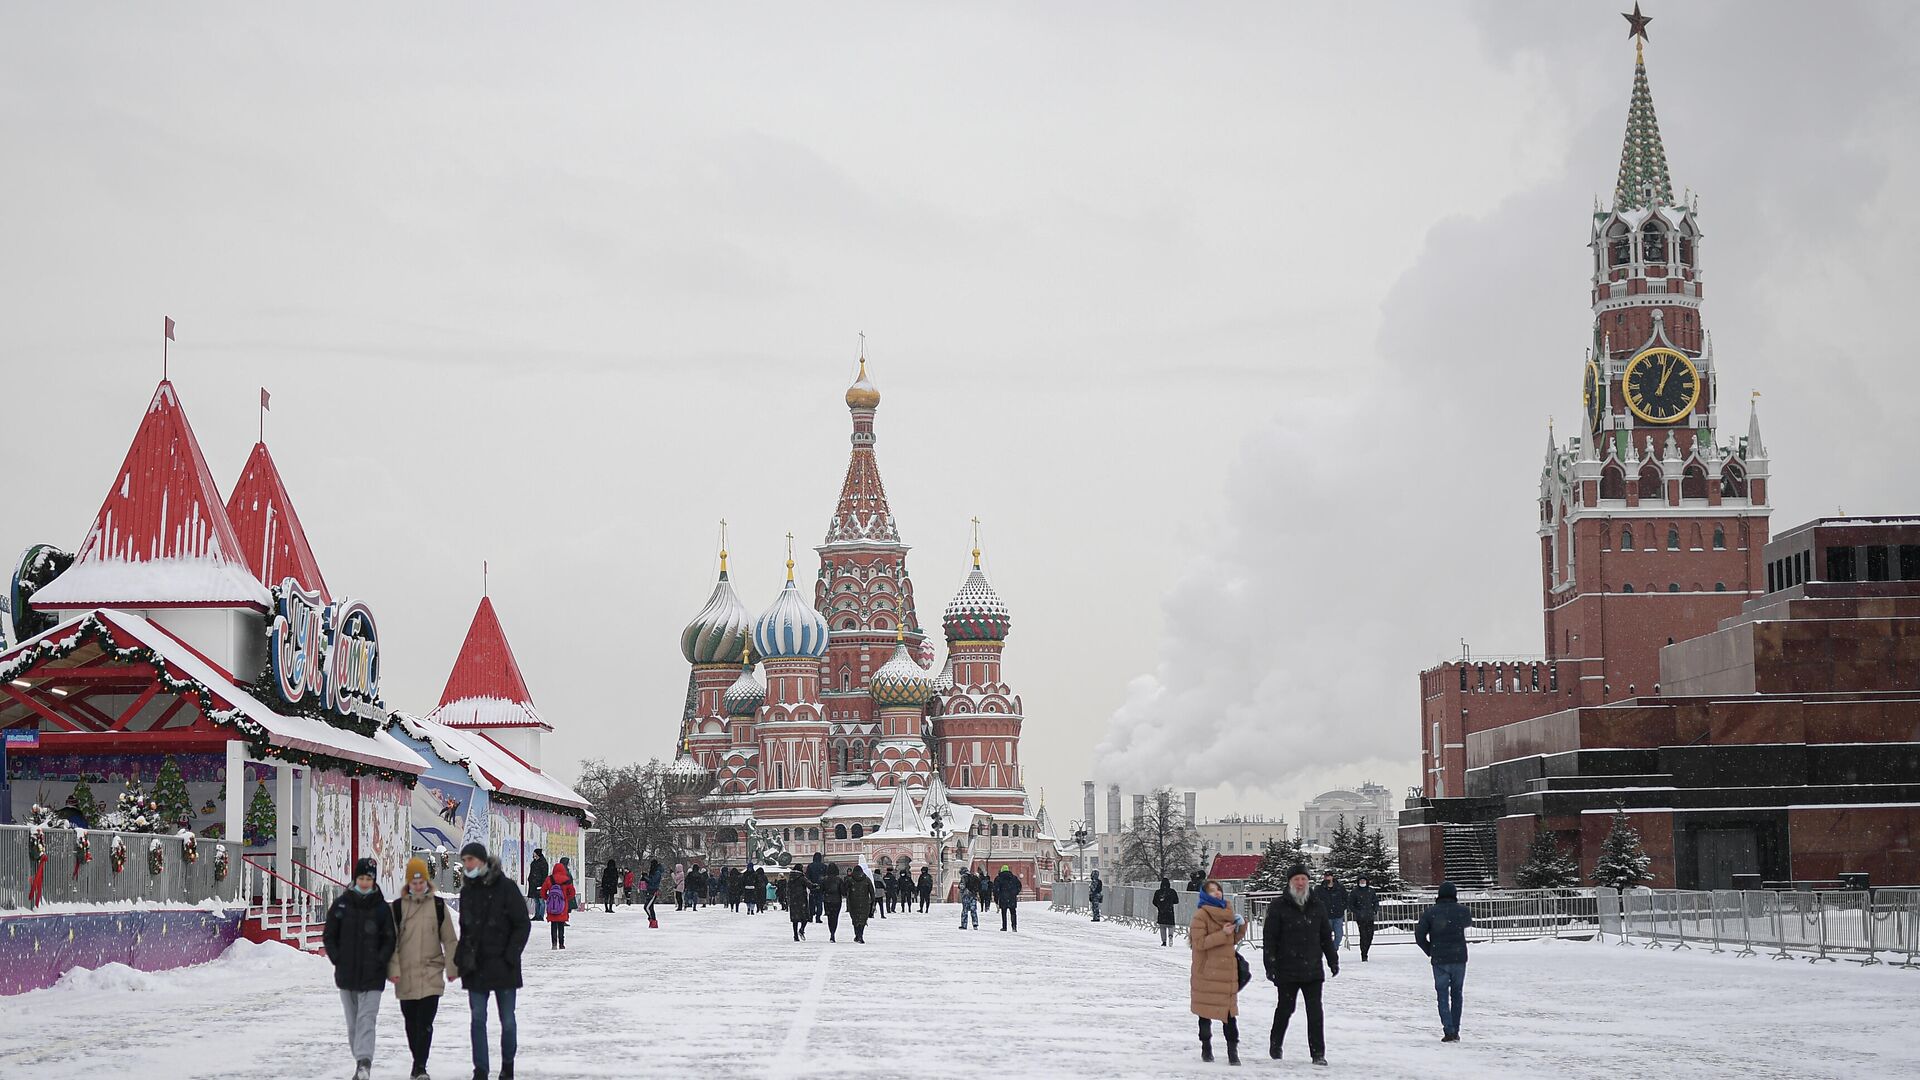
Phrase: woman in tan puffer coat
(422, 962)
(1215, 983)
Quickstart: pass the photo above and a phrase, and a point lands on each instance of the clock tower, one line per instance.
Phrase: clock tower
(1652, 519)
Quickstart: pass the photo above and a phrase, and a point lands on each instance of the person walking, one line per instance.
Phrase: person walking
(650, 893)
(626, 888)
(1363, 904)
(494, 927)
(816, 873)
(859, 890)
(1194, 881)
(696, 886)
(1214, 983)
(536, 879)
(422, 961)
(559, 901)
(359, 941)
(833, 892)
(679, 886)
(731, 885)
(799, 904)
(1097, 892)
(1165, 899)
(1333, 897)
(609, 884)
(1441, 933)
(969, 899)
(891, 889)
(986, 890)
(926, 889)
(1297, 937)
(1006, 893)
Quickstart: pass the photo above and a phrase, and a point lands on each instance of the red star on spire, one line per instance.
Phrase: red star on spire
(1636, 22)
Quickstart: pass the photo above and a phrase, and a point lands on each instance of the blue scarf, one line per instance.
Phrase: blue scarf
(1207, 899)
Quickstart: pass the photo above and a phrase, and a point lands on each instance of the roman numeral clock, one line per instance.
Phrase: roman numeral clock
(1661, 385)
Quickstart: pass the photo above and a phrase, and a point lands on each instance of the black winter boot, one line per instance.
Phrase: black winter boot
(1206, 1049)
(1233, 1053)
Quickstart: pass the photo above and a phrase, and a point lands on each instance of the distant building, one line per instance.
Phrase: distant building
(1240, 834)
(1369, 804)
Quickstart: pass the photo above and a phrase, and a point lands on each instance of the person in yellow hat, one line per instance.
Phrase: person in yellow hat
(422, 963)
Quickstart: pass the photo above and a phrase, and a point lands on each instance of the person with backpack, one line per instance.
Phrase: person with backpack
(422, 963)
(859, 902)
(833, 892)
(1006, 893)
(1164, 901)
(1363, 904)
(609, 884)
(494, 927)
(1214, 980)
(536, 875)
(969, 899)
(359, 941)
(558, 893)
(1096, 892)
(1442, 935)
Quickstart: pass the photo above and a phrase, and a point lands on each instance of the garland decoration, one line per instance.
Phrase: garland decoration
(36, 845)
(189, 847)
(117, 854)
(156, 857)
(220, 863)
(82, 850)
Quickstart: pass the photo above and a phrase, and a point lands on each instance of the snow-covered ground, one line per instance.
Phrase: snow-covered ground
(718, 994)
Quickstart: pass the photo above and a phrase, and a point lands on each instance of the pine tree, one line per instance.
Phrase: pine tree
(136, 811)
(85, 803)
(1623, 862)
(260, 825)
(1270, 875)
(1346, 851)
(1547, 865)
(1376, 863)
(170, 794)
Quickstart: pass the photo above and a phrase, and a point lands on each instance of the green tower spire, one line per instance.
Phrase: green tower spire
(1644, 181)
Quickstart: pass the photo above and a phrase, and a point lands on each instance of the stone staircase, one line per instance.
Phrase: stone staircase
(1472, 855)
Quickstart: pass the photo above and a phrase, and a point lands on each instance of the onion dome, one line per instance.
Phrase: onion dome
(685, 775)
(863, 394)
(975, 613)
(746, 695)
(717, 634)
(901, 681)
(790, 629)
(943, 682)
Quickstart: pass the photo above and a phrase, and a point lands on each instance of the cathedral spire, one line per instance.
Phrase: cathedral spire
(862, 514)
(1644, 181)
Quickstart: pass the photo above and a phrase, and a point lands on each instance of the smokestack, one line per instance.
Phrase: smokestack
(1113, 808)
(1193, 804)
(1139, 807)
(1086, 792)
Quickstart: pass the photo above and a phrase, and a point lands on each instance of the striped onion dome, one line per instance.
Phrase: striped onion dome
(719, 632)
(790, 629)
(975, 613)
(684, 774)
(746, 694)
(901, 680)
(943, 682)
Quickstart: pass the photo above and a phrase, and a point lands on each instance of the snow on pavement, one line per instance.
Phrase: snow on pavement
(1064, 998)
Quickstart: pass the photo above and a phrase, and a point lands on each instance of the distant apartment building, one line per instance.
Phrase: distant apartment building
(1369, 804)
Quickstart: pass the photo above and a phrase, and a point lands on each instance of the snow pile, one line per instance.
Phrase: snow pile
(242, 960)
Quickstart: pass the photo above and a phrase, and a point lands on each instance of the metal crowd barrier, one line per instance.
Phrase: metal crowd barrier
(1864, 926)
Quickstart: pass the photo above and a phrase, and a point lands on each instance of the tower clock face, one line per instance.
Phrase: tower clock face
(1661, 386)
(1591, 395)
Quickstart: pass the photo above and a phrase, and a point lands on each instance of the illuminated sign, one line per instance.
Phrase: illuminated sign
(328, 654)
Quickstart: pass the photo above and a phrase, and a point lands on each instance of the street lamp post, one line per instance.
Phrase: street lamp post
(1081, 834)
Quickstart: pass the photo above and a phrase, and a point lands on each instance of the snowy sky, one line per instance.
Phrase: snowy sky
(1239, 325)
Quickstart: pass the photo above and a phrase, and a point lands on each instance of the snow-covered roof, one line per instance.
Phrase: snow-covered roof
(162, 536)
(293, 732)
(903, 818)
(485, 688)
(271, 537)
(491, 765)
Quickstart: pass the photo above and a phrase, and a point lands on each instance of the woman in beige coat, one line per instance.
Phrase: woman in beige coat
(1215, 982)
(422, 962)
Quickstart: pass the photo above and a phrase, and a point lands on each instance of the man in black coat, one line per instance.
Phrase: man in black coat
(494, 925)
(890, 887)
(537, 872)
(1297, 937)
(1442, 935)
(1363, 904)
(1333, 897)
(816, 875)
(1097, 892)
(1195, 880)
(1006, 893)
(360, 940)
(926, 889)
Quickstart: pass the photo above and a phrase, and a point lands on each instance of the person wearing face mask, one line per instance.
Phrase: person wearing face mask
(422, 963)
(359, 940)
(494, 926)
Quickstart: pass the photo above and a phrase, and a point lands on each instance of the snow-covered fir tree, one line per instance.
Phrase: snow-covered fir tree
(136, 811)
(1376, 863)
(1623, 862)
(170, 795)
(1548, 866)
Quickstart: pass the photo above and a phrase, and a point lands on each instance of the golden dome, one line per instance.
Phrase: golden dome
(863, 394)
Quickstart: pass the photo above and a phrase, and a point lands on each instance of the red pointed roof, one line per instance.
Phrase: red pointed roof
(862, 515)
(485, 688)
(269, 530)
(162, 537)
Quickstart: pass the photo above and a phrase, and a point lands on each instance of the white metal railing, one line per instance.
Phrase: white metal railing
(65, 878)
(1866, 926)
(286, 906)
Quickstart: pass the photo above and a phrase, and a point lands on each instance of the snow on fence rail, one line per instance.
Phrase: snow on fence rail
(1866, 927)
(66, 879)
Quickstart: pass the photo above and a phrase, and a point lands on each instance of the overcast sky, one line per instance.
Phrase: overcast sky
(1238, 325)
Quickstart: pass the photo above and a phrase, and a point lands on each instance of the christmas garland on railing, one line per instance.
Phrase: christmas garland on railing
(91, 631)
(189, 847)
(117, 854)
(156, 857)
(82, 850)
(220, 863)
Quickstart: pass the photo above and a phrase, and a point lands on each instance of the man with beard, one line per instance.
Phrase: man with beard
(1298, 936)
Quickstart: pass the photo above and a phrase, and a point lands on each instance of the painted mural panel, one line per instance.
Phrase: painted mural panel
(559, 834)
(478, 812)
(440, 812)
(330, 820)
(386, 830)
(503, 829)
